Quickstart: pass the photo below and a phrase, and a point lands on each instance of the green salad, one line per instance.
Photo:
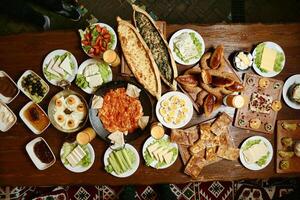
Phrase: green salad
(262, 161)
(163, 144)
(103, 70)
(197, 46)
(52, 76)
(69, 147)
(120, 161)
(278, 64)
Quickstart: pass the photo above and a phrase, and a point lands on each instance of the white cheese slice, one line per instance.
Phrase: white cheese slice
(156, 152)
(186, 46)
(162, 153)
(66, 65)
(49, 68)
(117, 138)
(56, 67)
(133, 91)
(94, 80)
(152, 148)
(90, 70)
(97, 102)
(255, 152)
(75, 156)
(168, 157)
(268, 59)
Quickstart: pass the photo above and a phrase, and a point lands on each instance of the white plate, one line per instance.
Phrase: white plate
(111, 31)
(79, 169)
(60, 52)
(288, 83)
(189, 106)
(14, 116)
(26, 73)
(274, 46)
(21, 114)
(254, 166)
(34, 158)
(151, 140)
(129, 172)
(171, 44)
(82, 67)
(4, 99)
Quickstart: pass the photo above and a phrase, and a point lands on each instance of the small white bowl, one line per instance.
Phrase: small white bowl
(14, 116)
(12, 98)
(26, 73)
(21, 114)
(40, 165)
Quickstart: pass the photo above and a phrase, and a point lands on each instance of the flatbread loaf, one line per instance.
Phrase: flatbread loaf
(139, 58)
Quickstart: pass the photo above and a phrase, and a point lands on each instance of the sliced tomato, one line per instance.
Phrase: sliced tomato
(104, 31)
(97, 51)
(85, 42)
(106, 35)
(98, 28)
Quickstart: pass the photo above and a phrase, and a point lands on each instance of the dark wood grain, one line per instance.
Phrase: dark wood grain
(27, 51)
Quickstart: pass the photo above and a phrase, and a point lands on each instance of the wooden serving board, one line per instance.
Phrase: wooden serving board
(162, 27)
(295, 135)
(246, 114)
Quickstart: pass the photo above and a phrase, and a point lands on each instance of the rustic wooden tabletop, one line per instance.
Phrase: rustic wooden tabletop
(27, 51)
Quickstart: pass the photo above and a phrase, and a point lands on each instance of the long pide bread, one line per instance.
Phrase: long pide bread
(158, 46)
(139, 58)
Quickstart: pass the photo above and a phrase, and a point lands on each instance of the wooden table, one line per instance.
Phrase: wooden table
(27, 51)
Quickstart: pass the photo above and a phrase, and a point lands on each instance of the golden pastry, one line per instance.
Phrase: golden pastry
(255, 123)
(264, 83)
(276, 105)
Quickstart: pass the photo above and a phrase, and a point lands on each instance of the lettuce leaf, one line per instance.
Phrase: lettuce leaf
(104, 71)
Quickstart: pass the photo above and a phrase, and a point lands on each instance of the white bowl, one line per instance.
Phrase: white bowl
(288, 83)
(12, 98)
(40, 165)
(22, 116)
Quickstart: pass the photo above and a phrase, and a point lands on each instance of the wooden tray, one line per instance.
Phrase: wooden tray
(162, 27)
(246, 114)
(295, 135)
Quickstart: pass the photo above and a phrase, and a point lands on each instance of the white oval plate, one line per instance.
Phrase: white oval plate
(79, 169)
(32, 128)
(60, 52)
(3, 98)
(288, 83)
(14, 116)
(19, 84)
(110, 29)
(171, 45)
(189, 106)
(274, 46)
(149, 141)
(82, 67)
(129, 172)
(34, 158)
(254, 166)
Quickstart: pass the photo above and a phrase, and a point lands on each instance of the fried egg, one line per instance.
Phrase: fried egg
(71, 123)
(72, 101)
(60, 104)
(60, 118)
